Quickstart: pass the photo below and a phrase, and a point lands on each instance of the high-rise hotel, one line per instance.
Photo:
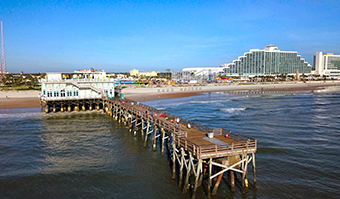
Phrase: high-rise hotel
(327, 64)
(270, 61)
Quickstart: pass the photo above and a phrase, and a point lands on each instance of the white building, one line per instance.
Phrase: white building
(327, 64)
(77, 85)
(269, 61)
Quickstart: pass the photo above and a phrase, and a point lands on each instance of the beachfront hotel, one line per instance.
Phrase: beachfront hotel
(327, 64)
(89, 84)
(269, 61)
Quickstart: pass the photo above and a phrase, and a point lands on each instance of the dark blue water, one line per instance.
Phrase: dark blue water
(88, 155)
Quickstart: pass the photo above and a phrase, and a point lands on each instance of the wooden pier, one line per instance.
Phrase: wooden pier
(199, 155)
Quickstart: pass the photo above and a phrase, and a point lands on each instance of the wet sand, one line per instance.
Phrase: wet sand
(29, 99)
(20, 103)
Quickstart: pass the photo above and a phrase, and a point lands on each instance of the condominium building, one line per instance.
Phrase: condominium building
(269, 61)
(327, 64)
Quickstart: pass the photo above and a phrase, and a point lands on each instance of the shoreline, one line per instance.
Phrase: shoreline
(29, 99)
(151, 94)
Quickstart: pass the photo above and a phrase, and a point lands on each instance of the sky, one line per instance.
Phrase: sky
(118, 36)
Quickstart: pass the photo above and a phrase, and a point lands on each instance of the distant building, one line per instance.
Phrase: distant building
(83, 84)
(135, 72)
(80, 74)
(327, 64)
(269, 61)
(167, 74)
(121, 76)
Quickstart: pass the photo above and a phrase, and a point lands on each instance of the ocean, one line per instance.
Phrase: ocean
(89, 155)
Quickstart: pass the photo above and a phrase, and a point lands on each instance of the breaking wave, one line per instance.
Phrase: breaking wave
(232, 110)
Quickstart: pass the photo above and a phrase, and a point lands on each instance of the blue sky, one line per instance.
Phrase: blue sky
(118, 36)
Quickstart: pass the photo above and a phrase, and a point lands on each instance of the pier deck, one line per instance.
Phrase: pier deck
(195, 139)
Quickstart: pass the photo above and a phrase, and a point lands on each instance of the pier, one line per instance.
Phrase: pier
(199, 155)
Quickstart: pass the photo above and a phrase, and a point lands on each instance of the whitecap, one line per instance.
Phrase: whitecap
(232, 110)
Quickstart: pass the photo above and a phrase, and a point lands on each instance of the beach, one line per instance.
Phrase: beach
(19, 99)
(168, 92)
(30, 99)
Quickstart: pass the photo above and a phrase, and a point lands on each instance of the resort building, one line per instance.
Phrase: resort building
(269, 61)
(136, 73)
(84, 84)
(327, 64)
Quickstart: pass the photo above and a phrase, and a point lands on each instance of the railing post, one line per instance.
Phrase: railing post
(232, 148)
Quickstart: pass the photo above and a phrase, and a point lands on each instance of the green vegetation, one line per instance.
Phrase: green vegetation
(246, 83)
(21, 82)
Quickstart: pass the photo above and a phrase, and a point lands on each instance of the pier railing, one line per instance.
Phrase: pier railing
(216, 150)
(146, 113)
(173, 117)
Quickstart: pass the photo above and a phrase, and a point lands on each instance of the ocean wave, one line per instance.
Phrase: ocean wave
(21, 115)
(232, 110)
(197, 102)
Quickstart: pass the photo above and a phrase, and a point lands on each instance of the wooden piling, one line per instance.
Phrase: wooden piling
(186, 181)
(254, 171)
(154, 137)
(210, 180)
(242, 179)
(147, 133)
(181, 168)
(232, 181)
(244, 174)
(173, 160)
(217, 183)
(197, 177)
(143, 128)
(163, 137)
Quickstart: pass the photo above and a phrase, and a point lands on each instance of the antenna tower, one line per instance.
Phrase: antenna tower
(3, 58)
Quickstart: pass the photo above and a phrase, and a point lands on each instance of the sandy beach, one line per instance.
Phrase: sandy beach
(19, 99)
(29, 99)
(166, 92)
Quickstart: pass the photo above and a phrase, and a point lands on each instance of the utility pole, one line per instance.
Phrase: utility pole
(3, 57)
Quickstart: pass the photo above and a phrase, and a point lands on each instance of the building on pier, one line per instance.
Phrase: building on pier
(269, 61)
(79, 84)
(78, 90)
